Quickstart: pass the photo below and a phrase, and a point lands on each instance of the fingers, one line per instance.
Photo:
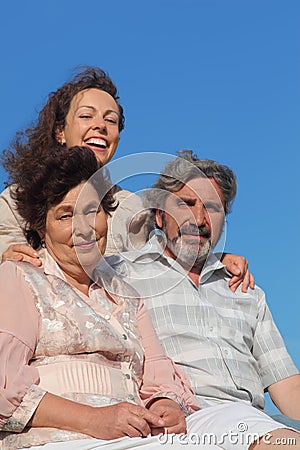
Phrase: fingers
(247, 282)
(155, 431)
(152, 418)
(175, 421)
(177, 429)
(138, 420)
(21, 252)
(239, 266)
(252, 281)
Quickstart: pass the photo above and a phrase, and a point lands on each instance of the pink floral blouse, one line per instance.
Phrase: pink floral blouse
(88, 349)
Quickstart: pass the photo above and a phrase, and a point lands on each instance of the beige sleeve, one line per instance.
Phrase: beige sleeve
(11, 223)
(127, 225)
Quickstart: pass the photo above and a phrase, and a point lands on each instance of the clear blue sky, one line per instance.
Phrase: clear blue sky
(219, 77)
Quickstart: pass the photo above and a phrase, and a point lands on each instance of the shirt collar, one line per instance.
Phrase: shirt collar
(152, 249)
(50, 266)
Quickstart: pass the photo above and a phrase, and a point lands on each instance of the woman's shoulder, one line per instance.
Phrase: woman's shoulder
(122, 194)
(6, 194)
(18, 269)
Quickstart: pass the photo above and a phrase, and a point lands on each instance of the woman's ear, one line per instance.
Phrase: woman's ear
(60, 136)
(41, 235)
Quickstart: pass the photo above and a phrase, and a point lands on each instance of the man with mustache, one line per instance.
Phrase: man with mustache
(226, 342)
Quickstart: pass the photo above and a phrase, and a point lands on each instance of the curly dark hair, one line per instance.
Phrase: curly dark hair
(44, 183)
(51, 119)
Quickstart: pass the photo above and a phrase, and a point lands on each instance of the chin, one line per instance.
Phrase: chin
(89, 260)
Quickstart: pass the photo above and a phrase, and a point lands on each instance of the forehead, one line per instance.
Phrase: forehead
(79, 196)
(202, 188)
(93, 97)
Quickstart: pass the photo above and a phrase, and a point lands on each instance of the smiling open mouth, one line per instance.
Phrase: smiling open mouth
(99, 143)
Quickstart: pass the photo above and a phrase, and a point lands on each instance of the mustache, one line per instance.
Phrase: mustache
(195, 231)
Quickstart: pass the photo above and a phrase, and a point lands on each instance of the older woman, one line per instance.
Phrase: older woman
(75, 361)
(85, 111)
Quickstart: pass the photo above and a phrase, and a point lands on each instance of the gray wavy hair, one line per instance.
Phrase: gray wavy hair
(185, 167)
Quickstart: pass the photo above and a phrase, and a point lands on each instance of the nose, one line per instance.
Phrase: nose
(199, 214)
(83, 225)
(99, 123)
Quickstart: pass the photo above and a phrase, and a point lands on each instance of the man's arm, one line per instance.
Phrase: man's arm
(285, 394)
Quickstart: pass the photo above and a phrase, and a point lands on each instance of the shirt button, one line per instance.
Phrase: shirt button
(124, 337)
(211, 328)
(127, 358)
(131, 396)
(107, 316)
(127, 376)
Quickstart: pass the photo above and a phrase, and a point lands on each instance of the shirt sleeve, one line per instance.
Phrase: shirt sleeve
(127, 225)
(11, 223)
(19, 329)
(269, 349)
(161, 378)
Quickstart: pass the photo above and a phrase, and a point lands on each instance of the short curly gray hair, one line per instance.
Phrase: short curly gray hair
(185, 167)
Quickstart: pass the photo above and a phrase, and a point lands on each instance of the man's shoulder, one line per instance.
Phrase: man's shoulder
(218, 281)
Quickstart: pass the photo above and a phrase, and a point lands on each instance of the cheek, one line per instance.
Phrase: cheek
(60, 234)
(172, 226)
(101, 225)
(73, 135)
(216, 226)
(116, 140)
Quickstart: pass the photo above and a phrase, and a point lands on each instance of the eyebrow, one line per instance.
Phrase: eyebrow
(186, 197)
(64, 208)
(108, 111)
(196, 197)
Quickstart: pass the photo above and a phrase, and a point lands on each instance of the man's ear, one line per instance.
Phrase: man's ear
(60, 136)
(158, 218)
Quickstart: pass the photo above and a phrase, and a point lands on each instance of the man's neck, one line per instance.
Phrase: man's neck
(193, 272)
(194, 276)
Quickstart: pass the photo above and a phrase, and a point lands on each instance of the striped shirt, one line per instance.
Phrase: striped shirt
(227, 342)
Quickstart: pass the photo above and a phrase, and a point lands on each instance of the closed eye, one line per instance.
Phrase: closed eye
(185, 202)
(214, 207)
(111, 120)
(91, 211)
(65, 216)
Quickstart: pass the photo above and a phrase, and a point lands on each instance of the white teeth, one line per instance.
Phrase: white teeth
(96, 141)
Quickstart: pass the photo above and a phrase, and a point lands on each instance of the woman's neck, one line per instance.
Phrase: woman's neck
(81, 283)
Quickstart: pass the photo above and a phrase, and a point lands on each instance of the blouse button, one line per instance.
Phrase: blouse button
(124, 337)
(107, 316)
(131, 396)
(127, 376)
(127, 358)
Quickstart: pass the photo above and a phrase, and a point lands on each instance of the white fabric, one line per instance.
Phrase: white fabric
(229, 426)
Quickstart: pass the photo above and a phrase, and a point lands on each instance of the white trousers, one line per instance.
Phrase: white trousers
(229, 426)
